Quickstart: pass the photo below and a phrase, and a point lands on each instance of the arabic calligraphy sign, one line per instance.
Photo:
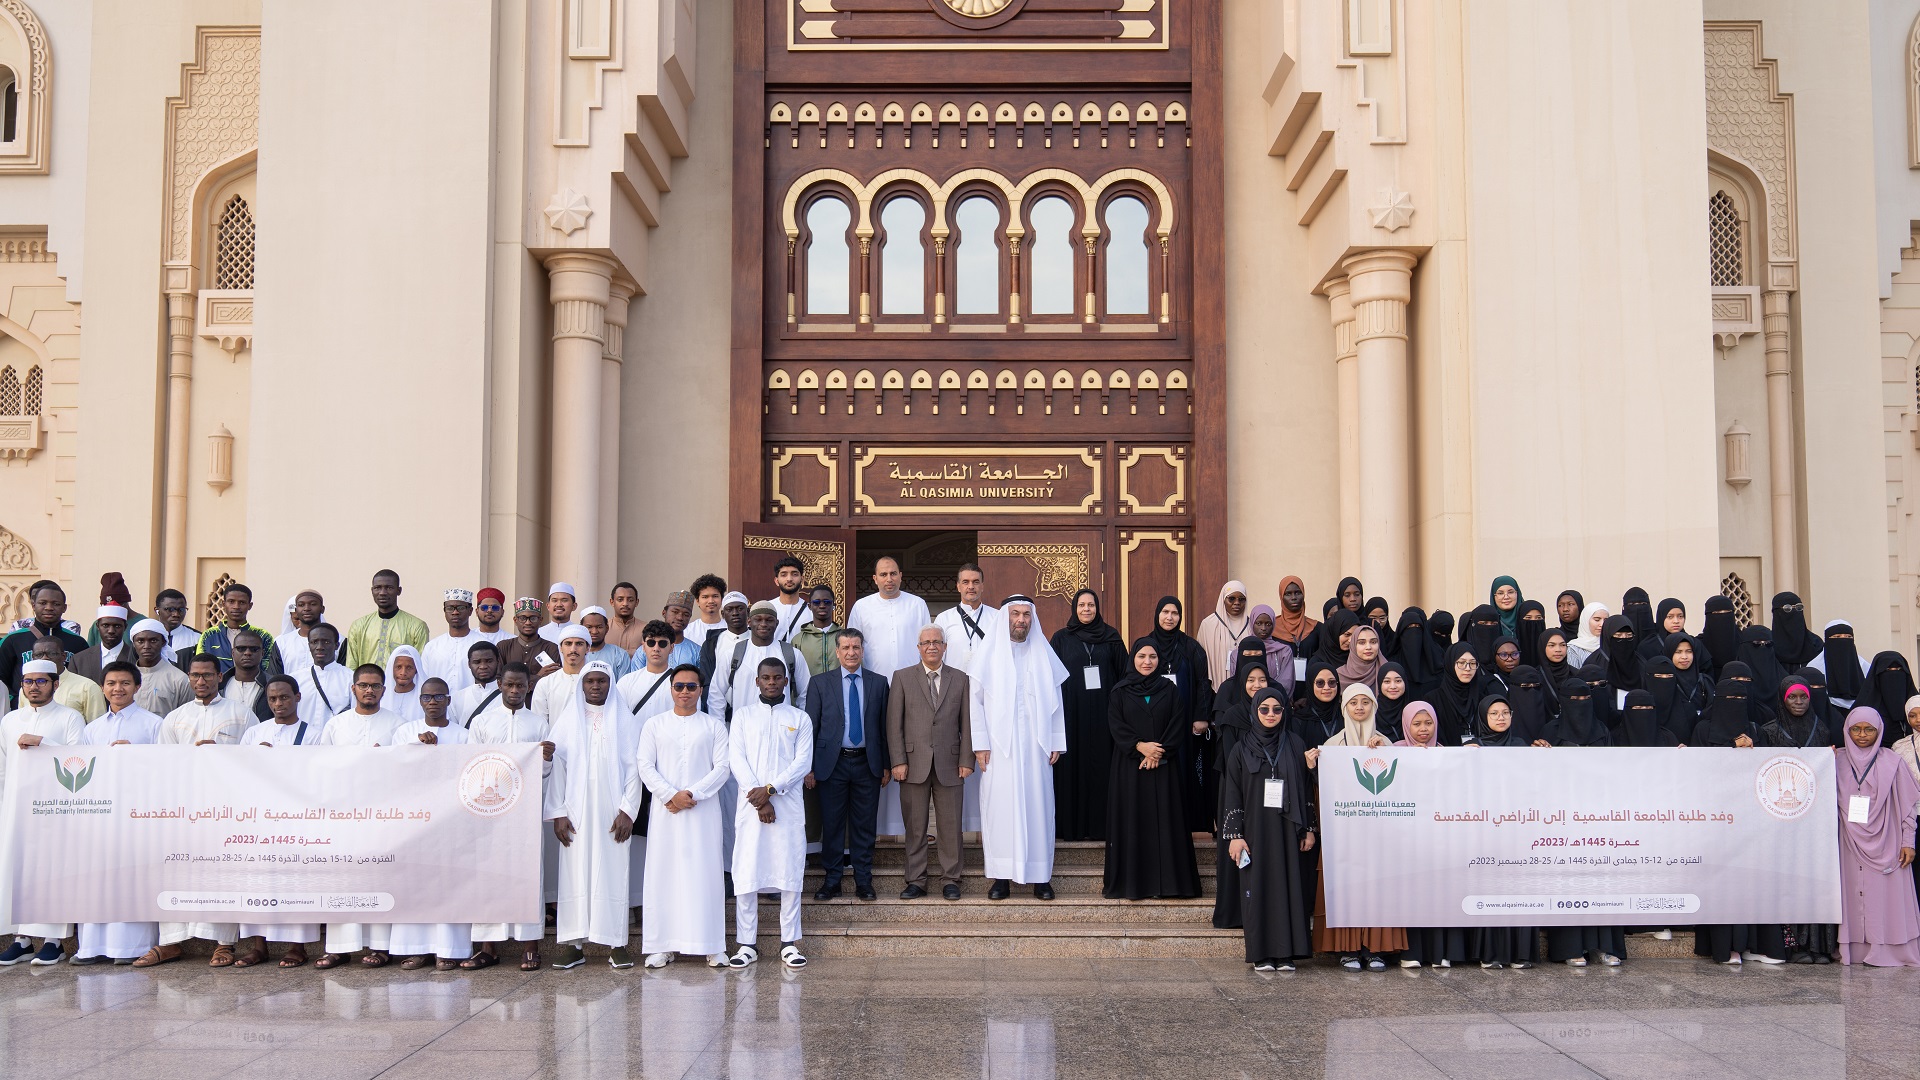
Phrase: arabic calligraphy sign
(1616, 836)
(307, 834)
(981, 480)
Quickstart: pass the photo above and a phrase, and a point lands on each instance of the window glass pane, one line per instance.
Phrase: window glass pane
(903, 263)
(1126, 257)
(1052, 261)
(976, 261)
(828, 268)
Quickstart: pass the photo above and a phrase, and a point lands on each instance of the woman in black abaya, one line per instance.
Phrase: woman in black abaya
(1501, 946)
(1532, 705)
(1730, 723)
(1576, 726)
(1885, 689)
(1316, 714)
(1794, 645)
(1396, 694)
(1719, 642)
(1844, 669)
(1796, 723)
(1418, 654)
(1274, 891)
(1149, 846)
(1095, 658)
(1673, 712)
(1230, 725)
(1184, 663)
(1458, 701)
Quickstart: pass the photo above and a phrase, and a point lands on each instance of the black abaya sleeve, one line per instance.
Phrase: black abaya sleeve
(1233, 802)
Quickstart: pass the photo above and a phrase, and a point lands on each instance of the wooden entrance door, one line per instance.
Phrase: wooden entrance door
(1049, 565)
(826, 553)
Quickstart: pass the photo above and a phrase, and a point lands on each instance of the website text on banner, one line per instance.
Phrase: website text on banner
(254, 834)
(1611, 836)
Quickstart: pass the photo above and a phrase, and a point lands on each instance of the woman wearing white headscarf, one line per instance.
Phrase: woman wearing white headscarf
(1220, 632)
(1592, 619)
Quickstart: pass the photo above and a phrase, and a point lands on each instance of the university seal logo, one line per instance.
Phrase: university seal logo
(1376, 774)
(1784, 786)
(490, 785)
(73, 773)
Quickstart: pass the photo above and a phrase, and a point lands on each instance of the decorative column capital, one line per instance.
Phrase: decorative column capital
(619, 295)
(579, 285)
(1340, 305)
(1381, 283)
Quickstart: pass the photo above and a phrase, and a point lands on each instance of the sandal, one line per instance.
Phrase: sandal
(480, 960)
(413, 963)
(530, 962)
(375, 959)
(250, 957)
(222, 956)
(159, 954)
(446, 965)
(295, 957)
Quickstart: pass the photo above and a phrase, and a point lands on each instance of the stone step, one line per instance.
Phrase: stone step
(891, 852)
(1027, 940)
(1021, 907)
(1067, 881)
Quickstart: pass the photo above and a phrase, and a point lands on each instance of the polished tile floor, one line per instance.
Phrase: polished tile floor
(1666, 1019)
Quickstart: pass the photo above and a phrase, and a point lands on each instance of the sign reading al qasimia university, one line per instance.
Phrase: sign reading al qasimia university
(274, 835)
(1530, 836)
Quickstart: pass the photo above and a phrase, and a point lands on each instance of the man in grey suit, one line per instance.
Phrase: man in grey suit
(930, 734)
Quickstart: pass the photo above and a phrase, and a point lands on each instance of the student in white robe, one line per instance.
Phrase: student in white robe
(284, 729)
(734, 677)
(770, 750)
(304, 612)
(644, 689)
(593, 801)
(39, 721)
(561, 602)
(366, 724)
(125, 723)
(968, 622)
(683, 762)
(789, 598)
(445, 657)
(442, 944)
(326, 686)
(508, 720)
(553, 693)
(483, 684)
(1019, 731)
(207, 720)
(163, 686)
(404, 677)
(596, 622)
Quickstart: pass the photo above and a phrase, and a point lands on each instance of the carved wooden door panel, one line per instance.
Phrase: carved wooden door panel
(1049, 565)
(827, 554)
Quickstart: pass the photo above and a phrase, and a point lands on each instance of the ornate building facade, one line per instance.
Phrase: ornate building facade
(1130, 294)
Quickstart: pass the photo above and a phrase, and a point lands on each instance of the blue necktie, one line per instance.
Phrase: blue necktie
(856, 726)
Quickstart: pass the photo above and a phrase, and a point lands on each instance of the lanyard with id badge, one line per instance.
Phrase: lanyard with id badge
(1859, 806)
(1090, 675)
(1272, 797)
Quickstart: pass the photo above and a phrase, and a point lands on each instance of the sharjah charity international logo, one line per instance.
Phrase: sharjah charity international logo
(1784, 786)
(490, 784)
(73, 773)
(1376, 774)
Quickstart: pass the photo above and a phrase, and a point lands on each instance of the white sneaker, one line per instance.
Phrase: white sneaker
(1734, 960)
(659, 959)
(1409, 963)
(1763, 958)
(717, 960)
(1444, 963)
(1663, 935)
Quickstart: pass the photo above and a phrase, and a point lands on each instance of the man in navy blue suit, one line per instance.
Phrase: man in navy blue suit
(848, 705)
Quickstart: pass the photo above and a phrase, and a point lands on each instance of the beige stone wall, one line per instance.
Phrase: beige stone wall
(40, 330)
(1900, 407)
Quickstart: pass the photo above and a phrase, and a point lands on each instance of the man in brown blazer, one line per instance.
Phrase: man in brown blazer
(930, 735)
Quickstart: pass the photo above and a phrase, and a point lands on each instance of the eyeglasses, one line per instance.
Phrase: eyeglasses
(434, 697)
(685, 687)
(369, 686)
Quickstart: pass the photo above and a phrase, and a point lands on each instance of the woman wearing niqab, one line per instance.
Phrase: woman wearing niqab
(1793, 644)
(1640, 722)
(1885, 689)
(1417, 653)
(1440, 625)
(1719, 637)
(1673, 711)
(1574, 946)
(1481, 630)
(1531, 702)
(1622, 650)
(1533, 623)
(1877, 803)
(1273, 890)
(1095, 658)
(1500, 946)
(1841, 662)
(1638, 608)
(1730, 724)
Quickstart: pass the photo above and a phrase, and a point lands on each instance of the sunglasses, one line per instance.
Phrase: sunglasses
(1269, 710)
(658, 643)
(685, 687)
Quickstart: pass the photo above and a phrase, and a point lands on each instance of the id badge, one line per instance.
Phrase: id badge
(1090, 675)
(1299, 670)
(1276, 790)
(1857, 807)
(1173, 678)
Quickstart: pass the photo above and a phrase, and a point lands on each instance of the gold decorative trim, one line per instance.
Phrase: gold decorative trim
(814, 32)
(1175, 457)
(1176, 541)
(1063, 568)
(1089, 456)
(825, 561)
(828, 457)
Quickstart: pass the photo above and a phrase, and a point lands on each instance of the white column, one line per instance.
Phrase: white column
(579, 286)
(1381, 284)
(179, 401)
(620, 293)
(1777, 324)
(1346, 370)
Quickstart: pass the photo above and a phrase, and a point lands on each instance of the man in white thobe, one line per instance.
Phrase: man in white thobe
(1019, 731)
(442, 944)
(789, 602)
(770, 750)
(683, 762)
(326, 685)
(445, 657)
(163, 686)
(283, 728)
(124, 723)
(561, 602)
(593, 801)
(483, 684)
(644, 689)
(554, 693)
(207, 720)
(366, 724)
(508, 720)
(39, 721)
(735, 680)
(891, 621)
(304, 612)
(967, 622)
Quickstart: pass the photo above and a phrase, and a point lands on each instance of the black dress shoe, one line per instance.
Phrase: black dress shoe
(912, 892)
(1001, 887)
(1043, 891)
(865, 892)
(828, 892)
(951, 892)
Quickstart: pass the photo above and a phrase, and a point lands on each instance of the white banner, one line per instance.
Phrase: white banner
(1579, 836)
(416, 834)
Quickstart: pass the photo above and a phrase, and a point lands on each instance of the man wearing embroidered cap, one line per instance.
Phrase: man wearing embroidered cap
(561, 601)
(37, 722)
(445, 657)
(110, 628)
(526, 646)
(552, 693)
(597, 623)
(677, 613)
(1019, 731)
(373, 637)
(592, 802)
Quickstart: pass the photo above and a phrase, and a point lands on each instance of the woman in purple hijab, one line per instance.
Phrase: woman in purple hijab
(1279, 653)
(1879, 917)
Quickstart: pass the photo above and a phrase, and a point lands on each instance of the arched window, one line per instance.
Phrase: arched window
(9, 105)
(9, 392)
(829, 263)
(976, 260)
(31, 399)
(1728, 256)
(233, 257)
(1127, 263)
(903, 259)
(1050, 257)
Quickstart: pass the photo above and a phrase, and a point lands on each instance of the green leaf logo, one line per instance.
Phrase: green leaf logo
(1372, 778)
(73, 773)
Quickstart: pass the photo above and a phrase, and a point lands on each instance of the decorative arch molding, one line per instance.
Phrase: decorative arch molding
(1751, 122)
(24, 48)
(211, 126)
(939, 194)
(1912, 78)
